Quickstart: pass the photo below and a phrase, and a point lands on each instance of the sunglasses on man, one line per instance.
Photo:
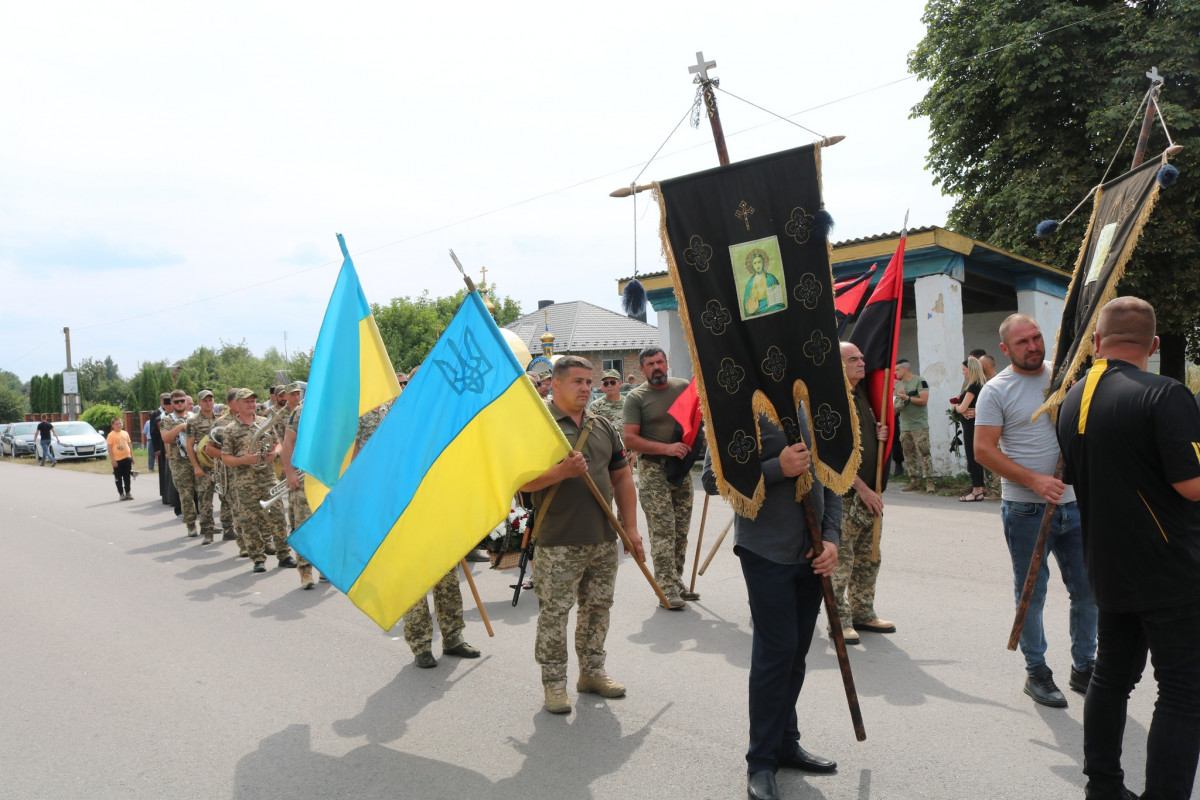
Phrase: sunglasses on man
(609, 383)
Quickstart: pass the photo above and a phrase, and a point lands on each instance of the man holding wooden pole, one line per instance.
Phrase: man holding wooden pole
(576, 542)
(1025, 454)
(858, 567)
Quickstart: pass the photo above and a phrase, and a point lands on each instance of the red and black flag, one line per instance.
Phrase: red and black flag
(849, 297)
(877, 334)
(689, 425)
(748, 254)
(1121, 209)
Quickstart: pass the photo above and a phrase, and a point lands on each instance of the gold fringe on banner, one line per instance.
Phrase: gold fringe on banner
(1086, 347)
(742, 505)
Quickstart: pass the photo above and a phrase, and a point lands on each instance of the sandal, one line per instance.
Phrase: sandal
(973, 497)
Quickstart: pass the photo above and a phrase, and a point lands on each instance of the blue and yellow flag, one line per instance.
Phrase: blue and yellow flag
(350, 375)
(438, 474)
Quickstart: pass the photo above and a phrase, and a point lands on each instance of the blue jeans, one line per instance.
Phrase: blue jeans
(46, 452)
(150, 451)
(1021, 524)
(1173, 744)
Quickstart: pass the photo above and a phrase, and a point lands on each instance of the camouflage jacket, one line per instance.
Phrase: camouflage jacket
(236, 441)
(199, 426)
(613, 412)
(369, 422)
(177, 448)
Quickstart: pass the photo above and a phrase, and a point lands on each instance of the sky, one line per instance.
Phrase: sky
(174, 175)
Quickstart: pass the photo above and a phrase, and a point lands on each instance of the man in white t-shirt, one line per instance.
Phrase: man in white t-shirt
(1025, 454)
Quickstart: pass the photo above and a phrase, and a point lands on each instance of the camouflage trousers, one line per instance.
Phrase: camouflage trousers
(298, 511)
(448, 604)
(204, 503)
(854, 578)
(227, 502)
(260, 527)
(586, 573)
(185, 484)
(668, 517)
(916, 454)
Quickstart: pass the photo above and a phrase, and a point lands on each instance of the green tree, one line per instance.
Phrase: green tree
(1028, 102)
(100, 417)
(409, 327)
(12, 405)
(10, 380)
(152, 379)
(100, 382)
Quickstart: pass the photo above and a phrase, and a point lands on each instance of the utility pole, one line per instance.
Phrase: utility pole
(70, 383)
(285, 355)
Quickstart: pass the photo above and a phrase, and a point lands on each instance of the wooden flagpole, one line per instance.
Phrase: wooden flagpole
(877, 522)
(700, 70)
(699, 541)
(475, 593)
(716, 546)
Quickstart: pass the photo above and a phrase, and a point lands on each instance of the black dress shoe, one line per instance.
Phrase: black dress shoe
(1080, 678)
(1042, 689)
(807, 762)
(761, 786)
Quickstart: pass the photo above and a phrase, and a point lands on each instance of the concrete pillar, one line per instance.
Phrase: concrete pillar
(940, 352)
(672, 339)
(1046, 309)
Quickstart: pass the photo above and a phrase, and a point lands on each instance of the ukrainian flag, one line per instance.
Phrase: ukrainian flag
(350, 375)
(438, 474)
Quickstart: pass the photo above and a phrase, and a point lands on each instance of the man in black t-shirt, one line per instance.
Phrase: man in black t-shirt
(44, 431)
(1131, 447)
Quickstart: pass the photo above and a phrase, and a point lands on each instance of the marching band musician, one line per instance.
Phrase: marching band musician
(230, 531)
(198, 426)
(172, 425)
(248, 448)
(298, 509)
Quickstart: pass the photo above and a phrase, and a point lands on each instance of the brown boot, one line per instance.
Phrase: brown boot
(306, 578)
(556, 700)
(600, 684)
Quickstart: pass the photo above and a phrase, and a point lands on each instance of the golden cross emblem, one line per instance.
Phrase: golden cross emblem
(744, 210)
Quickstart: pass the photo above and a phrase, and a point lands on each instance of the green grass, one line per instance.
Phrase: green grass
(95, 466)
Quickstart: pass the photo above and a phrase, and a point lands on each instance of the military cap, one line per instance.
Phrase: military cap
(203, 394)
(242, 394)
(294, 386)
(612, 373)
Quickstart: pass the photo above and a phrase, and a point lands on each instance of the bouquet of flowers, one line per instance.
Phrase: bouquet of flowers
(507, 536)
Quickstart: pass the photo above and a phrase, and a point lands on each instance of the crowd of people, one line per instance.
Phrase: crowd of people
(1128, 550)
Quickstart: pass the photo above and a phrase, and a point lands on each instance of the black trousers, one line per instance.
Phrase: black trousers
(165, 487)
(974, 468)
(784, 602)
(122, 474)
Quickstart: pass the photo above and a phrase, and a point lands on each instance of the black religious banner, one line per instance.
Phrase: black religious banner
(1121, 209)
(755, 291)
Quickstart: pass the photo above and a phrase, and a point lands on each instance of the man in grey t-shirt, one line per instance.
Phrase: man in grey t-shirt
(1025, 454)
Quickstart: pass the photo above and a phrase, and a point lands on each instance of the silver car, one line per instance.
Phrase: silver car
(77, 440)
(17, 439)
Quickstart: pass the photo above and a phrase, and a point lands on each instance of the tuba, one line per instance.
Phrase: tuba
(212, 437)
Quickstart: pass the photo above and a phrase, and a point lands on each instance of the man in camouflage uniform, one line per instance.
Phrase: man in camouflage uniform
(251, 482)
(576, 543)
(612, 405)
(447, 596)
(912, 400)
(173, 427)
(298, 509)
(648, 431)
(198, 426)
(856, 572)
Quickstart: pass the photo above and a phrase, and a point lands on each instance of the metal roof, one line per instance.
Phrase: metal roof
(580, 327)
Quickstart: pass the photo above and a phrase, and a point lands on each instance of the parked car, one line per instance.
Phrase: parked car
(17, 439)
(78, 440)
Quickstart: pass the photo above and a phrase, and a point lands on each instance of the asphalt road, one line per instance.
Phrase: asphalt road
(138, 664)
